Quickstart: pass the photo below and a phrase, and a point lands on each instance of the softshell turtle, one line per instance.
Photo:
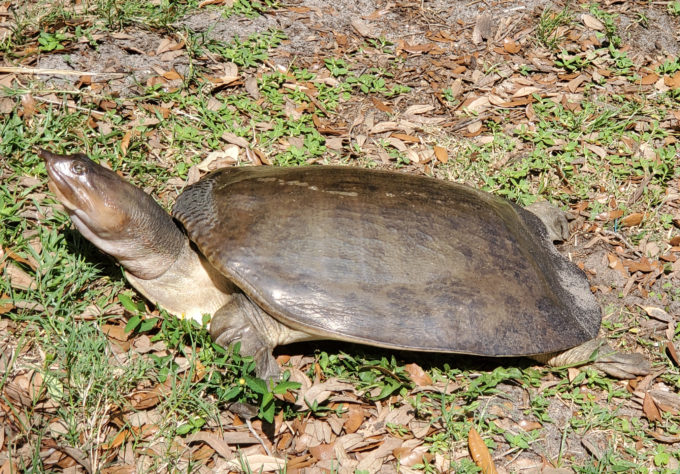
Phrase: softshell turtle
(279, 255)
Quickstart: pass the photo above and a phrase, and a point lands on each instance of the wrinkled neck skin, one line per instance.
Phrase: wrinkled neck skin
(146, 248)
(159, 260)
(189, 288)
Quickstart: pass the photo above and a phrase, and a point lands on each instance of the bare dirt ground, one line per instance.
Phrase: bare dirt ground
(475, 50)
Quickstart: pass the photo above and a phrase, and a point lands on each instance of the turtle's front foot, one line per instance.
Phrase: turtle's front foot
(233, 323)
(607, 360)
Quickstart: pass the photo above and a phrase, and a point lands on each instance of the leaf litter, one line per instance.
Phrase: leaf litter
(453, 91)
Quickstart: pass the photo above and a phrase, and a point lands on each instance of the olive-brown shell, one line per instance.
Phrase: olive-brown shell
(390, 259)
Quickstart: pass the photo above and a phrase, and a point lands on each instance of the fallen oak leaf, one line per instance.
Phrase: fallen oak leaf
(257, 463)
(218, 444)
(441, 153)
(657, 313)
(355, 417)
(616, 264)
(418, 375)
(511, 46)
(672, 81)
(6, 304)
(480, 453)
(649, 79)
(592, 22)
(673, 353)
(664, 438)
(117, 440)
(650, 409)
(632, 220)
(666, 401)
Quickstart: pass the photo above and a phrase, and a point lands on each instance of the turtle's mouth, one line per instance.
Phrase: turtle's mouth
(61, 182)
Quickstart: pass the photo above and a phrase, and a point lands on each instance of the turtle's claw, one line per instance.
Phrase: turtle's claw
(266, 366)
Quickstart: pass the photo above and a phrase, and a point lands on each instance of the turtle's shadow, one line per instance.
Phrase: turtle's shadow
(79, 246)
(426, 360)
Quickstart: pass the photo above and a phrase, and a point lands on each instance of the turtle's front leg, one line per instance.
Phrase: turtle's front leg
(241, 320)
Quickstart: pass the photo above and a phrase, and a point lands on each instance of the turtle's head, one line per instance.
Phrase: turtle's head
(119, 218)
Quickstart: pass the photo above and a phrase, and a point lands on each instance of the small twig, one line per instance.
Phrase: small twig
(96, 113)
(58, 72)
(254, 433)
(623, 241)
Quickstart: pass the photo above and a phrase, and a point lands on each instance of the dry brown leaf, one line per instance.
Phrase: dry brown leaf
(116, 331)
(666, 401)
(650, 409)
(417, 48)
(643, 265)
(144, 399)
(257, 463)
(672, 353)
(169, 45)
(610, 215)
(441, 153)
(364, 29)
(672, 81)
(320, 392)
(657, 313)
(409, 456)
(219, 159)
(418, 375)
(380, 105)
(117, 440)
(28, 105)
(384, 127)
(572, 373)
(511, 46)
(479, 105)
(526, 91)
(417, 109)
(199, 371)
(226, 3)
(323, 451)
(480, 453)
(234, 139)
(252, 88)
(649, 79)
(405, 137)
(483, 29)
(8, 467)
(217, 443)
(397, 143)
(6, 105)
(475, 128)
(125, 142)
(19, 279)
(663, 437)
(6, 304)
(456, 87)
(592, 22)
(355, 417)
(632, 220)
(529, 425)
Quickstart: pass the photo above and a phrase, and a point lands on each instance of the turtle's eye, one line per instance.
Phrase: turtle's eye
(78, 168)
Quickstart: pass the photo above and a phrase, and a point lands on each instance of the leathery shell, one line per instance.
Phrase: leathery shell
(390, 259)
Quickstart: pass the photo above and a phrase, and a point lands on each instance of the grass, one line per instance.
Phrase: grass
(595, 152)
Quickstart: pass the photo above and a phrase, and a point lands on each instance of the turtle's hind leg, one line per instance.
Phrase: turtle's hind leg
(603, 357)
